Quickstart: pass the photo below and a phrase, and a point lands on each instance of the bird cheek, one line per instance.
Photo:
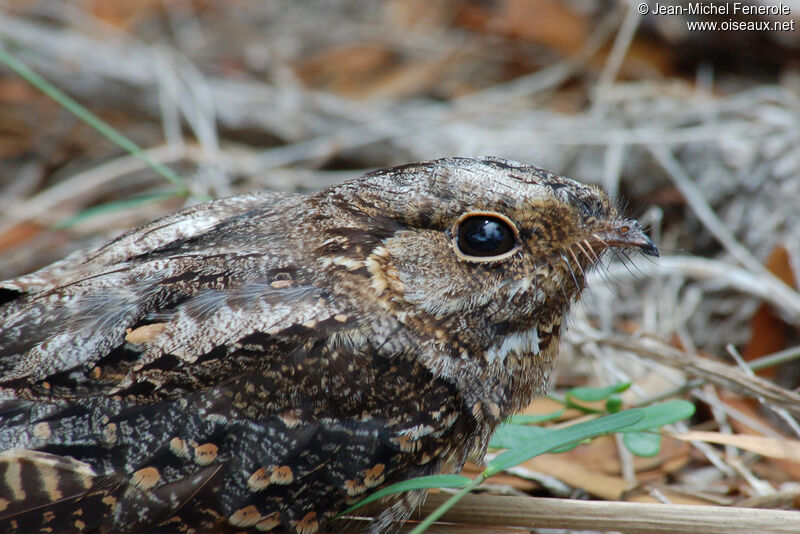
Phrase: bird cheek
(384, 277)
(421, 270)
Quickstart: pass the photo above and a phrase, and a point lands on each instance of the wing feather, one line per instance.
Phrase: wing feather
(186, 286)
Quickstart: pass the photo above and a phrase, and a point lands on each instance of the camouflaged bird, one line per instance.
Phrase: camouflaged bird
(258, 362)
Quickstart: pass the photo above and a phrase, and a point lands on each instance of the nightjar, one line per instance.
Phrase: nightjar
(258, 362)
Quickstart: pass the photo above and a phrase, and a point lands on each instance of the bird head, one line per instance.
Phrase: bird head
(490, 236)
(483, 258)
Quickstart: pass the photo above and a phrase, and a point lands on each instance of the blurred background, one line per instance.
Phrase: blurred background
(695, 131)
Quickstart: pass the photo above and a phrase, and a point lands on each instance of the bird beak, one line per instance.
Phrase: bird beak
(625, 234)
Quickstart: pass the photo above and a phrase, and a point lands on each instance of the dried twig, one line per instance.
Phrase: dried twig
(529, 512)
(723, 375)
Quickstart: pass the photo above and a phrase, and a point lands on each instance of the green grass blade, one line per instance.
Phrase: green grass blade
(445, 506)
(427, 482)
(564, 436)
(89, 118)
(553, 440)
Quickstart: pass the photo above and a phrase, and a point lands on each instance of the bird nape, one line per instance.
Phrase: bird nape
(260, 362)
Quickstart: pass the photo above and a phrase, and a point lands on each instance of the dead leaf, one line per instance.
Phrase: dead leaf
(18, 234)
(783, 448)
(769, 331)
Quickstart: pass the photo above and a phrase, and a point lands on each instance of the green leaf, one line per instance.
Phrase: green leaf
(527, 419)
(543, 442)
(596, 394)
(569, 403)
(512, 436)
(657, 415)
(426, 482)
(613, 404)
(645, 444)
(563, 436)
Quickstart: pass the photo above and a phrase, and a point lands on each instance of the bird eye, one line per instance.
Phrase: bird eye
(484, 237)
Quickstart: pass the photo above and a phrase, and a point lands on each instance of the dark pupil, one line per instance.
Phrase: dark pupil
(484, 236)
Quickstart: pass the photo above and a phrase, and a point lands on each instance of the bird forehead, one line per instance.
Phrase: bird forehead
(503, 193)
(523, 199)
(434, 193)
(586, 200)
(502, 182)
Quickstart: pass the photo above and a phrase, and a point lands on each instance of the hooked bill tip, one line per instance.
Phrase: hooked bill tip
(648, 247)
(629, 234)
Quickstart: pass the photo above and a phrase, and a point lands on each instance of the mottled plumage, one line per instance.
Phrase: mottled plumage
(259, 362)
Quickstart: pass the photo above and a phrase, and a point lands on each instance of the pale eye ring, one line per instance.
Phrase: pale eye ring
(484, 237)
